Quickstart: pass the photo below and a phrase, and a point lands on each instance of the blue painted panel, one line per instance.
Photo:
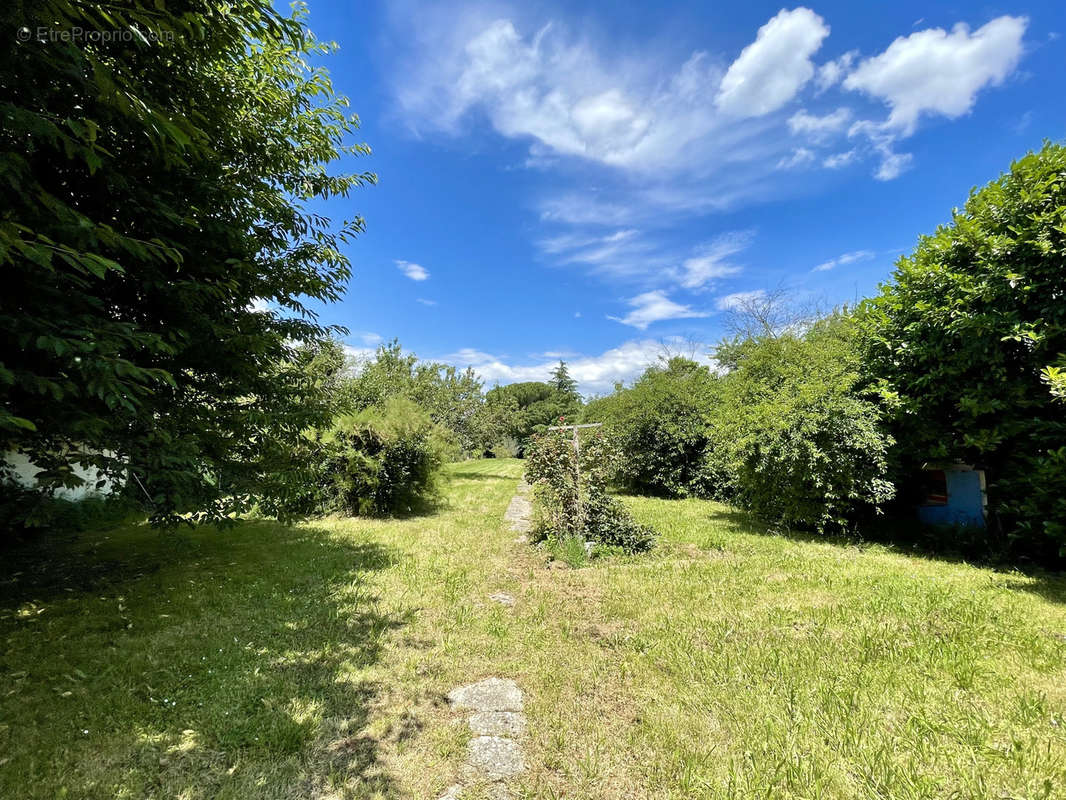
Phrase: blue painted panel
(965, 502)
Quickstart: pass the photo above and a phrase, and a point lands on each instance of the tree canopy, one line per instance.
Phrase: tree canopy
(966, 338)
(160, 256)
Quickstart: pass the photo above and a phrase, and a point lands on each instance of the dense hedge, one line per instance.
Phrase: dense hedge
(662, 424)
(969, 337)
(796, 435)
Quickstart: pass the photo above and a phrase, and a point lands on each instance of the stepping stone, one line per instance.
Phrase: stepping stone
(491, 694)
(502, 598)
(498, 723)
(494, 758)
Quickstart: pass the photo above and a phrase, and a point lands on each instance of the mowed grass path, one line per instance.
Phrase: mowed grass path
(272, 662)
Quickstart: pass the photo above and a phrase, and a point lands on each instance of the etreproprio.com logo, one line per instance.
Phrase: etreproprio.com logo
(90, 35)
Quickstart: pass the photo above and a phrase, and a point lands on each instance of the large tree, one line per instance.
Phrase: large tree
(160, 257)
(966, 337)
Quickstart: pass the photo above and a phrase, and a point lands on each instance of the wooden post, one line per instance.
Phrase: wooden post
(579, 511)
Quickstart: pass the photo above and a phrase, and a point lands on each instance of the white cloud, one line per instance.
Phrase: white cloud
(846, 258)
(260, 306)
(821, 128)
(737, 300)
(594, 374)
(838, 160)
(415, 272)
(668, 135)
(635, 256)
(370, 339)
(799, 157)
(710, 263)
(425, 302)
(892, 165)
(832, 72)
(932, 72)
(569, 98)
(622, 253)
(655, 306)
(772, 69)
(936, 72)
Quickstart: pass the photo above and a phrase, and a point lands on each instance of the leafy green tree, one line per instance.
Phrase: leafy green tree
(451, 396)
(968, 337)
(160, 257)
(538, 404)
(661, 425)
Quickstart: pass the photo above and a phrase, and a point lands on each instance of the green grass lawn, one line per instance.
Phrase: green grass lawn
(312, 661)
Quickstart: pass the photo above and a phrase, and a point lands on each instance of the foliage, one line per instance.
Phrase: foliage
(796, 438)
(519, 410)
(24, 512)
(382, 460)
(662, 425)
(967, 338)
(452, 397)
(157, 192)
(567, 509)
(564, 385)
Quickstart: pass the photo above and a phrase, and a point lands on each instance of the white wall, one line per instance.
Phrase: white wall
(25, 472)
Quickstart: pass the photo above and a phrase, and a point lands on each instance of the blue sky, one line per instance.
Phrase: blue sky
(594, 182)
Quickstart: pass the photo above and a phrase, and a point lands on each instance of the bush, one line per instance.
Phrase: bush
(795, 436)
(968, 338)
(384, 460)
(564, 510)
(662, 426)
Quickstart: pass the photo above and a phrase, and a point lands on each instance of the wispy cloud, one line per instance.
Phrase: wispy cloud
(712, 261)
(800, 156)
(845, 258)
(426, 302)
(838, 160)
(736, 300)
(570, 98)
(655, 306)
(820, 128)
(415, 272)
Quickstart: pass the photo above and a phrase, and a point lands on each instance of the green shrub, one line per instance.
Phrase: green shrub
(383, 460)
(661, 424)
(565, 510)
(968, 338)
(796, 438)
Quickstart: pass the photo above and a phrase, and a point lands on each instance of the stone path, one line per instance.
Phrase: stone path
(520, 512)
(497, 723)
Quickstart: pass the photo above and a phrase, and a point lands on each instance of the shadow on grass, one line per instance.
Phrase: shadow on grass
(200, 664)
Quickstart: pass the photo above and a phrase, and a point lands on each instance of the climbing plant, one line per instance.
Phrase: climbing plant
(570, 492)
